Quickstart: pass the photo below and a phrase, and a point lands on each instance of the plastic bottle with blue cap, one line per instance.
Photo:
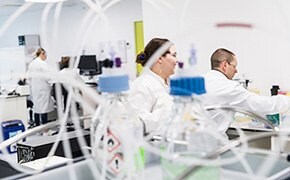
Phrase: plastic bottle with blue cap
(186, 132)
(117, 132)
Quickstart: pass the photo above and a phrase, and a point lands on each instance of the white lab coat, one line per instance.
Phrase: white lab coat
(222, 91)
(71, 74)
(40, 87)
(150, 99)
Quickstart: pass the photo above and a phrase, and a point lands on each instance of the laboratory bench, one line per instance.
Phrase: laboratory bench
(279, 169)
(250, 127)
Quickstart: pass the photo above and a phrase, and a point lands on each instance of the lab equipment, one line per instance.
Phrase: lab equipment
(274, 90)
(192, 57)
(23, 90)
(243, 81)
(185, 125)
(116, 132)
(40, 147)
(275, 118)
(88, 65)
(10, 129)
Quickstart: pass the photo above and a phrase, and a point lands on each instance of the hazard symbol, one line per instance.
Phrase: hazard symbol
(116, 164)
(112, 141)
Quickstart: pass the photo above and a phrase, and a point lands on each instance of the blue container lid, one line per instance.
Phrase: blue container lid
(186, 86)
(113, 84)
(12, 123)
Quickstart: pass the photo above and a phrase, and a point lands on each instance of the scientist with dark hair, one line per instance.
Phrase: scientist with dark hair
(149, 93)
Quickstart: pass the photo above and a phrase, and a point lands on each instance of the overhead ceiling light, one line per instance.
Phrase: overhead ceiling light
(44, 1)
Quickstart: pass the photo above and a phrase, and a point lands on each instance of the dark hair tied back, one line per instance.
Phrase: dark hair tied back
(153, 45)
(142, 56)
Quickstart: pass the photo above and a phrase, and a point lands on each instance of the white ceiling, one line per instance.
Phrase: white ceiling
(7, 7)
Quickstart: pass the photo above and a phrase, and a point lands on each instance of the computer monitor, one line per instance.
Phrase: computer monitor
(88, 65)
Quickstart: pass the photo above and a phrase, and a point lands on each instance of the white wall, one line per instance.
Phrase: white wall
(262, 51)
(116, 24)
(14, 68)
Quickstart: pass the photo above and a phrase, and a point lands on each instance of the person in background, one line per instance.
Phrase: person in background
(66, 70)
(222, 90)
(41, 87)
(149, 93)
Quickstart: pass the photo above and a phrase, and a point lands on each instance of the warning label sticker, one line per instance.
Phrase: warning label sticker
(116, 164)
(112, 142)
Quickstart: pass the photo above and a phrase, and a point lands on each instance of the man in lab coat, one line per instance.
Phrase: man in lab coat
(40, 87)
(222, 90)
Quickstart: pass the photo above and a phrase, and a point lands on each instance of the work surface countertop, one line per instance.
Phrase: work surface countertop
(248, 123)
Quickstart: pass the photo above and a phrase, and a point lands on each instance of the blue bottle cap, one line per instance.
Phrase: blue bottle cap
(186, 86)
(113, 84)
